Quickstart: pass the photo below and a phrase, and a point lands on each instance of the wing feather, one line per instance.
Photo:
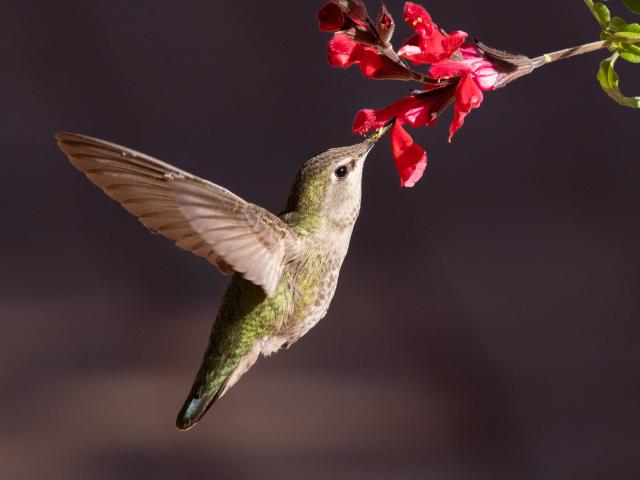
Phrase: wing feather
(196, 214)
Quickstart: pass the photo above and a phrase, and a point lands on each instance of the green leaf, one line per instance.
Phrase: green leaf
(633, 5)
(600, 11)
(617, 23)
(630, 52)
(610, 83)
(607, 76)
(629, 31)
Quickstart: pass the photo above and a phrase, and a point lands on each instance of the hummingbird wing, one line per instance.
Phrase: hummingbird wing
(196, 214)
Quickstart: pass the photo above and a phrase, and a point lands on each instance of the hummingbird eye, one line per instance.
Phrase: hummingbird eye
(341, 171)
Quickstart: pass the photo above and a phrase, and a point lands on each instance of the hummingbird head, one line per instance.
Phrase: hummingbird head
(328, 187)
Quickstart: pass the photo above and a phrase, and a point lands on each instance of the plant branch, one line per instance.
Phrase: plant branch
(573, 51)
(569, 52)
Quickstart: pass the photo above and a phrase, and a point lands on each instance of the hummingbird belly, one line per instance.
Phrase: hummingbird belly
(311, 303)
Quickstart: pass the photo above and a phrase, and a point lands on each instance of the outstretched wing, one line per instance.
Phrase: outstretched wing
(198, 215)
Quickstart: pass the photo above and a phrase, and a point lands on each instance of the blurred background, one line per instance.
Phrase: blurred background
(486, 321)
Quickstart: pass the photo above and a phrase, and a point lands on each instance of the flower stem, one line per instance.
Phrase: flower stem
(569, 52)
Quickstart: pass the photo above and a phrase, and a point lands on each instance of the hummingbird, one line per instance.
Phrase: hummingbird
(284, 268)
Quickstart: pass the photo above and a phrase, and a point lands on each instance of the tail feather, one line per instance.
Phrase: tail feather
(195, 407)
(211, 383)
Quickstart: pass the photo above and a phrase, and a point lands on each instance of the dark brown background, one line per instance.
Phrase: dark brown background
(487, 321)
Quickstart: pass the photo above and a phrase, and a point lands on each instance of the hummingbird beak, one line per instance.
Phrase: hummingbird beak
(373, 138)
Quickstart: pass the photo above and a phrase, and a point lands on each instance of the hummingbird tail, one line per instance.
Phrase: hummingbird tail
(194, 409)
(211, 383)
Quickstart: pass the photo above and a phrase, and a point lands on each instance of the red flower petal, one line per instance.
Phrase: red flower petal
(432, 48)
(431, 103)
(368, 119)
(468, 96)
(473, 63)
(410, 158)
(375, 65)
(411, 49)
(418, 18)
(453, 41)
(344, 51)
(429, 45)
(417, 111)
(330, 17)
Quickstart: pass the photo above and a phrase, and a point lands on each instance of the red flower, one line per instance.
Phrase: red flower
(331, 18)
(416, 110)
(459, 73)
(477, 74)
(342, 15)
(344, 51)
(429, 44)
(386, 24)
(410, 158)
(468, 97)
(472, 63)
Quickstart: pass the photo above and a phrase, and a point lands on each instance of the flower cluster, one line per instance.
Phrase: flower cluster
(459, 72)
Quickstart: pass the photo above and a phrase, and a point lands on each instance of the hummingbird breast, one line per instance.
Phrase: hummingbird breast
(312, 282)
